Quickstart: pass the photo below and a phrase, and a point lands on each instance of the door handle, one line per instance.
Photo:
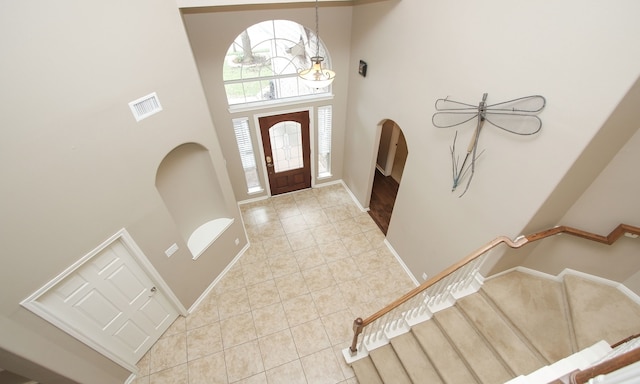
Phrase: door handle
(152, 291)
(269, 163)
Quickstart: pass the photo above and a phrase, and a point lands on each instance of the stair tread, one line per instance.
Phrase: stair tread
(592, 305)
(414, 360)
(536, 306)
(442, 354)
(510, 347)
(366, 371)
(389, 366)
(472, 347)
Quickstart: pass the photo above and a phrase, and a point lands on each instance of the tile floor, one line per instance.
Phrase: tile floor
(283, 312)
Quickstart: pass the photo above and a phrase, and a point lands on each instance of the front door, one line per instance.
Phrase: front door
(287, 151)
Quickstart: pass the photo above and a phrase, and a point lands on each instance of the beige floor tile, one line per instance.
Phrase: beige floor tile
(337, 213)
(175, 375)
(232, 280)
(263, 294)
(310, 337)
(356, 291)
(168, 352)
(315, 262)
(328, 300)
(288, 211)
(347, 227)
(257, 272)
(260, 378)
(322, 368)
(205, 313)
(178, 326)
(356, 244)
(291, 285)
(310, 204)
(333, 251)
(318, 277)
(204, 341)
(141, 380)
(294, 224)
(288, 373)
(277, 349)
(233, 303)
(338, 326)
(269, 319)
(366, 224)
(309, 257)
(253, 254)
(300, 310)
(144, 364)
(344, 269)
(237, 330)
(376, 238)
(325, 233)
(275, 246)
(269, 230)
(283, 264)
(315, 218)
(301, 240)
(370, 262)
(347, 371)
(243, 361)
(210, 369)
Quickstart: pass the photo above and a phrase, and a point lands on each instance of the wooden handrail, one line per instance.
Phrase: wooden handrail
(359, 323)
(609, 239)
(620, 361)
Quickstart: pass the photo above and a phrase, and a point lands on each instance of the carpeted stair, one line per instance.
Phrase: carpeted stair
(517, 323)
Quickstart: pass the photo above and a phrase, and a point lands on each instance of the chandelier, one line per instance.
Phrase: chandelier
(316, 76)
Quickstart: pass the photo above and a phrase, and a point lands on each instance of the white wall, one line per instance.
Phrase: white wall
(582, 56)
(610, 200)
(76, 167)
(211, 32)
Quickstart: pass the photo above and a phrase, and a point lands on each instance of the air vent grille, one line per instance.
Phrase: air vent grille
(145, 106)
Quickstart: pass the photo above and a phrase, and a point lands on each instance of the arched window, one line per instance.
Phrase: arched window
(262, 63)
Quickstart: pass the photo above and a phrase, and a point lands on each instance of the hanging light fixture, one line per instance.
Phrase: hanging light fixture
(316, 76)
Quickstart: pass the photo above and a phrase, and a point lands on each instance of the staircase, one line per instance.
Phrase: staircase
(515, 324)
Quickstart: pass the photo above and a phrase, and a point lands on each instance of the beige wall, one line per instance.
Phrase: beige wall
(610, 200)
(582, 62)
(211, 32)
(76, 167)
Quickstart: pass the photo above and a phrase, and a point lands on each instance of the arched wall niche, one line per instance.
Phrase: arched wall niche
(188, 184)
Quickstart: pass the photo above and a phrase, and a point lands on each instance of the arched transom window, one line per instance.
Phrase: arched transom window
(262, 63)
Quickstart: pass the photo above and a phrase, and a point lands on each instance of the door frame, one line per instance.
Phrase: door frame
(139, 258)
(312, 142)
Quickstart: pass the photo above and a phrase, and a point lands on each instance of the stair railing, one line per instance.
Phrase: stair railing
(441, 290)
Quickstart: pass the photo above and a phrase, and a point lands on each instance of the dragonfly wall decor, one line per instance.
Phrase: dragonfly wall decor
(515, 116)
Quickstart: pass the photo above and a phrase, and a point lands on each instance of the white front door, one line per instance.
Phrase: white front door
(109, 302)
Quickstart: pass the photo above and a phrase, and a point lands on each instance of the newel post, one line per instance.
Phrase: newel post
(357, 330)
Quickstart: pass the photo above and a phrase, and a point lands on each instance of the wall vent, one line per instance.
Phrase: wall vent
(145, 106)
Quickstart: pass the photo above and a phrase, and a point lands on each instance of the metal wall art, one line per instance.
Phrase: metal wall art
(515, 116)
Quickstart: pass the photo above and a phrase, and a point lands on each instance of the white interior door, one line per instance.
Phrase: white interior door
(108, 302)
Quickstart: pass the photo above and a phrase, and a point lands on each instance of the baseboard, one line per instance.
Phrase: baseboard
(206, 292)
(401, 262)
(353, 197)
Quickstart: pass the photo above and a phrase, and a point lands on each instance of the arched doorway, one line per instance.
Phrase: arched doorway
(392, 156)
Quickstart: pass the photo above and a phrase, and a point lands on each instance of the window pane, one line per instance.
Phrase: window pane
(267, 51)
(245, 147)
(286, 145)
(324, 141)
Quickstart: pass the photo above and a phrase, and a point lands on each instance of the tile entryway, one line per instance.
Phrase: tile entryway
(283, 312)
